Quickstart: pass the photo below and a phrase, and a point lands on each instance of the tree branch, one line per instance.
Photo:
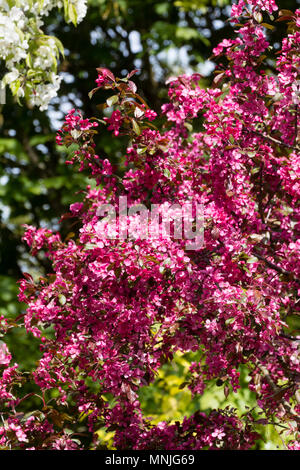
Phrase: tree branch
(274, 141)
(274, 266)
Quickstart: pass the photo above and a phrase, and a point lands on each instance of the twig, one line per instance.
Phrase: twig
(276, 390)
(277, 268)
(275, 141)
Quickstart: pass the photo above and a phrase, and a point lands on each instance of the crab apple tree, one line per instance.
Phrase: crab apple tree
(115, 308)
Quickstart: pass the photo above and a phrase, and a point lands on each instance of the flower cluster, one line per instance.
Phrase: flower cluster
(240, 7)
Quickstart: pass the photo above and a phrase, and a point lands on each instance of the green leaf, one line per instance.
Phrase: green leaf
(112, 100)
(258, 16)
(32, 73)
(72, 13)
(14, 86)
(141, 150)
(136, 127)
(62, 299)
(92, 92)
(167, 173)
(90, 246)
(59, 46)
(188, 126)
(29, 60)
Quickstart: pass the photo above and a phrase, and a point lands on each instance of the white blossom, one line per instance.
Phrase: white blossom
(12, 76)
(30, 56)
(44, 92)
(81, 9)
